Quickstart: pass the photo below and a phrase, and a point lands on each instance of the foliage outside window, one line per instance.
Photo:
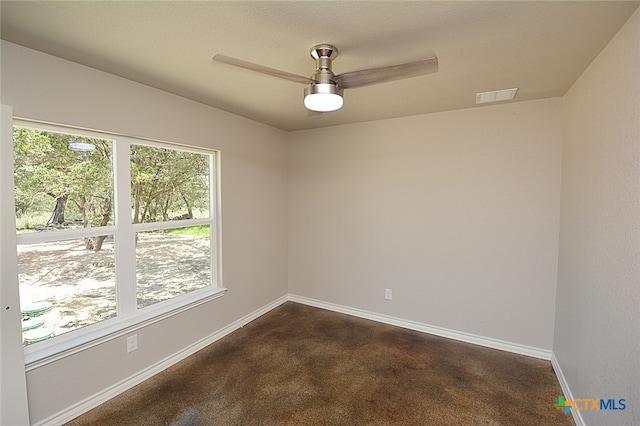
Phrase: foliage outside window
(109, 227)
(71, 173)
(168, 184)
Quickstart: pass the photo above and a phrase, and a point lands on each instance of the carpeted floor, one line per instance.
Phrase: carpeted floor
(299, 365)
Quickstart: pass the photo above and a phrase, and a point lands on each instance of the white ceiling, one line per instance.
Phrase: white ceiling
(541, 47)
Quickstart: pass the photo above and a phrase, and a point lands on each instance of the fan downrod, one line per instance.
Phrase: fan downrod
(323, 55)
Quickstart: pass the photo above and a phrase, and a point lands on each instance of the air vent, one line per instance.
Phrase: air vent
(496, 96)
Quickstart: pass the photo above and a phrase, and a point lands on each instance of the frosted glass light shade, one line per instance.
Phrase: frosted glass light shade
(323, 97)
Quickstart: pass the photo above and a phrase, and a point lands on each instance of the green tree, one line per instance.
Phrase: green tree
(167, 182)
(53, 174)
(74, 185)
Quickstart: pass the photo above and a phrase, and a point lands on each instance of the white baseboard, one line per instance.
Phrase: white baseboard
(577, 416)
(425, 328)
(126, 384)
(105, 395)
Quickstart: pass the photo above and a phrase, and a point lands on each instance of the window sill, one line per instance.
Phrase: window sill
(64, 345)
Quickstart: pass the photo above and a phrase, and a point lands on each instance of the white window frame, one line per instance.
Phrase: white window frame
(129, 318)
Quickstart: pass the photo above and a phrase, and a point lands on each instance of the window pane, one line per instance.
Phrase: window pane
(168, 184)
(172, 262)
(62, 181)
(65, 286)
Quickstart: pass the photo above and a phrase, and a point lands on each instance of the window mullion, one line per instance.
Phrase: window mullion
(125, 237)
(216, 214)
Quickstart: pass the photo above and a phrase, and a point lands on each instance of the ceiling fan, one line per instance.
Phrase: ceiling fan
(324, 89)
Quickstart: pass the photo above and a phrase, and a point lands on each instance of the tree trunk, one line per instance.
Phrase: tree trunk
(165, 208)
(189, 209)
(136, 203)
(83, 209)
(95, 243)
(57, 217)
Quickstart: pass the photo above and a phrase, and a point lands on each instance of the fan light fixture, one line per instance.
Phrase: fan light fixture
(323, 91)
(323, 97)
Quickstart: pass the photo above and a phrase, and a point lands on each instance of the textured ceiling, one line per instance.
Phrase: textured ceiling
(541, 47)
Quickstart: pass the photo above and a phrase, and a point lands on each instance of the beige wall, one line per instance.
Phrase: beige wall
(597, 332)
(254, 212)
(456, 212)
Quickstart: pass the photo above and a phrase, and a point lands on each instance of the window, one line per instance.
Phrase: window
(112, 231)
(170, 185)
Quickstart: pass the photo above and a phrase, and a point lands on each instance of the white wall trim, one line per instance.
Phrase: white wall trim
(577, 416)
(425, 328)
(13, 384)
(126, 384)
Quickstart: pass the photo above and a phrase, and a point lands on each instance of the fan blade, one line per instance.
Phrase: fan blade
(262, 69)
(384, 74)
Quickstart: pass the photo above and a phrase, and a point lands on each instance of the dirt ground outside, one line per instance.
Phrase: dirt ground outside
(80, 284)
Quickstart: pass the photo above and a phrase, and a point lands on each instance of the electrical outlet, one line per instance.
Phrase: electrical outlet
(388, 294)
(132, 343)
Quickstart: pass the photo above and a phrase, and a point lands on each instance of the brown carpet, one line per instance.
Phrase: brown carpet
(299, 365)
